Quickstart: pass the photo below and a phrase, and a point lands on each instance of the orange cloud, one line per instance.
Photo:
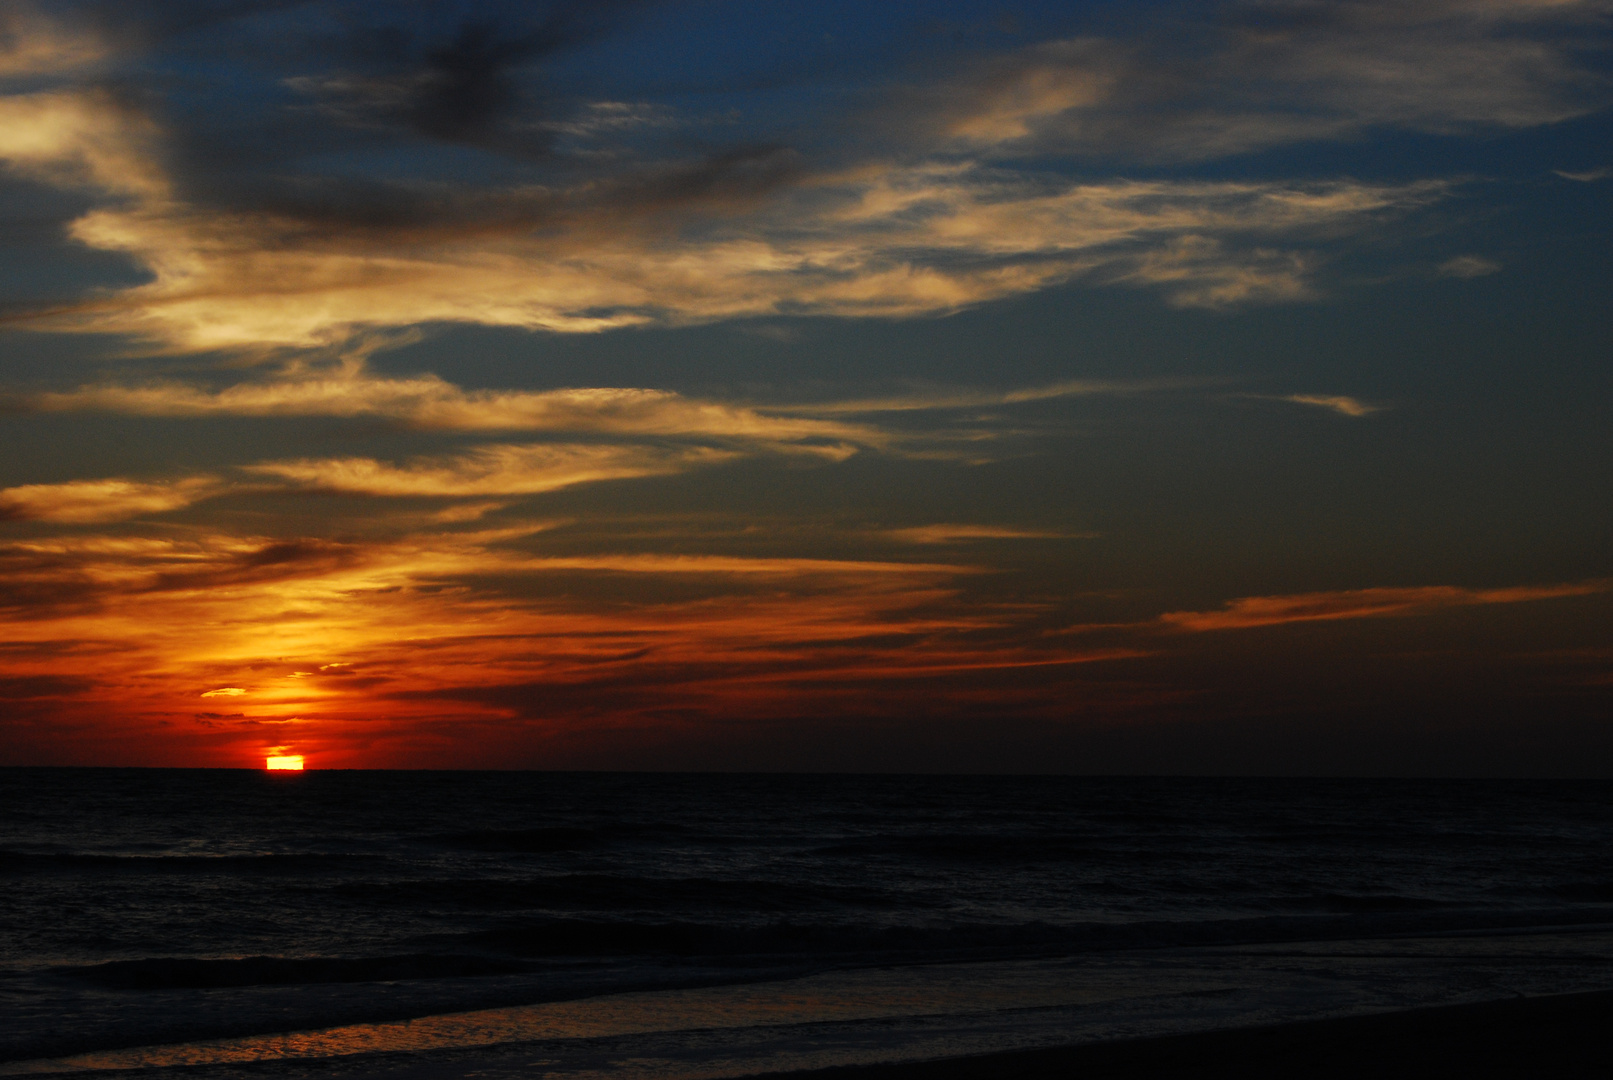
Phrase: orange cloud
(1252, 611)
(490, 470)
(1342, 404)
(355, 651)
(486, 470)
(336, 645)
(1013, 96)
(952, 534)
(83, 139)
(939, 398)
(426, 401)
(507, 470)
(103, 500)
(349, 389)
(1339, 403)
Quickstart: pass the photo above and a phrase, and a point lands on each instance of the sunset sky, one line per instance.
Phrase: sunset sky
(1122, 386)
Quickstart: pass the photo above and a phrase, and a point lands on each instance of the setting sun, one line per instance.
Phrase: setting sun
(292, 762)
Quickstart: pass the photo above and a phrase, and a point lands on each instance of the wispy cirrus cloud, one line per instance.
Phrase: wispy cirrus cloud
(637, 433)
(937, 398)
(748, 566)
(956, 534)
(81, 577)
(886, 240)
(506, 470)
(830, 430)
(905, 243)
(1343, 404)
(429, 402)
(1244, 77)
(489, 470)
(1252, 611)
(1469, 266)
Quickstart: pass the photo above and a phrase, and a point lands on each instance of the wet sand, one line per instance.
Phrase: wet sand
(1370, 1010)
(1557, 1037)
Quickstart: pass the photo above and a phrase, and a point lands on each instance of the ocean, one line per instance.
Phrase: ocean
(566, 924)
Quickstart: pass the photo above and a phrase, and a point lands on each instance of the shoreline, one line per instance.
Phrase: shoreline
(1396, 1007)
(1560, 1036)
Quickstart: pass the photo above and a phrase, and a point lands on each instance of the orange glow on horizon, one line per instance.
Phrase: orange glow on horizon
(440, 644)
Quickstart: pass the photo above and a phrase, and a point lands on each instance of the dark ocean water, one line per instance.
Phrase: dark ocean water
(157, 906)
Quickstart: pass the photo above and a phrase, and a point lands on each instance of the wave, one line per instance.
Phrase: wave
(1369, 902)
(859, 943)
(614, 892)
(549, 840)
(30, 862)
(768, 943)
(979, 847)
(520, 841)
(179, 973)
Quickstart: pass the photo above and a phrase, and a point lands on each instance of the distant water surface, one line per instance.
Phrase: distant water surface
(160, 906)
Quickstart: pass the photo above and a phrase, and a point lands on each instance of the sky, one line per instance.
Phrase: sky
(1131, 386)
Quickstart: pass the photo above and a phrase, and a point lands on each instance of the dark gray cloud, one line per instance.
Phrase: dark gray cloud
(30, 687)
(47, 580)
(343, 211)
(360, 81)
(457, 74)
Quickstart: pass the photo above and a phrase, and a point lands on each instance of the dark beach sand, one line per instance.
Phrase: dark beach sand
(1546, 1038)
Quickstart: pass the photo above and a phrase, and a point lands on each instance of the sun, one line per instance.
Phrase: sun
(288, 762)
